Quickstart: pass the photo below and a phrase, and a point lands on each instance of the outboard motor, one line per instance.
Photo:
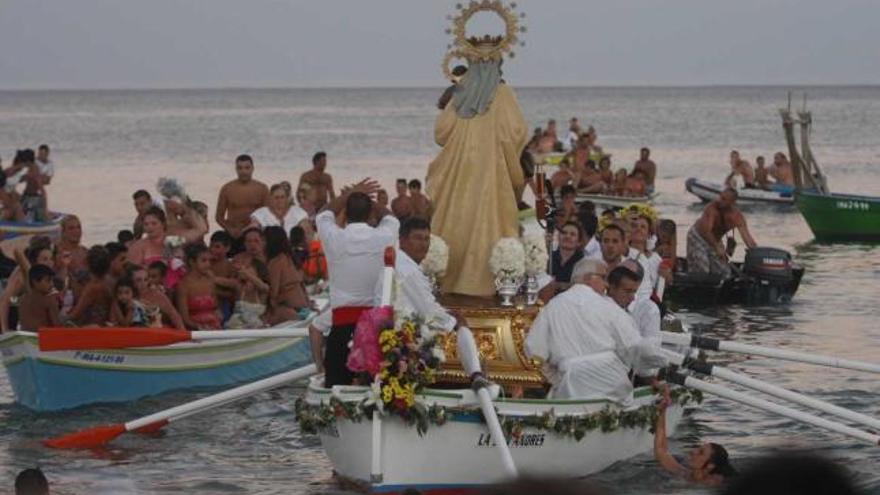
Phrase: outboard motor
(770, 270)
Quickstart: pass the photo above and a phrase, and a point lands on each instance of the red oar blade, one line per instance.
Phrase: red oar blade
(68, 339)
(87, 439)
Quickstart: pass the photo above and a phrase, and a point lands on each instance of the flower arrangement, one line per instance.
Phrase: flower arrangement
(435, 262)
(536, 256)
(508, 259)
(399, 359)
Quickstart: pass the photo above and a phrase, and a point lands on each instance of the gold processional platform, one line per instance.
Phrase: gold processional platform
(499, 333)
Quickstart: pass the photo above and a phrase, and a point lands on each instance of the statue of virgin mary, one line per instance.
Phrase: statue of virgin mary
(474, 180)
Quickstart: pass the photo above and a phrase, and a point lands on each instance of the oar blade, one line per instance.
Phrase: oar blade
(69, 339)
(87, 439)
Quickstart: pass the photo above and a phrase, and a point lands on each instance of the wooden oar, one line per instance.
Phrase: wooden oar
(774, 390)
(68, 339)
(710, 344)
(101, 435)
(720, 391)
(491, 416)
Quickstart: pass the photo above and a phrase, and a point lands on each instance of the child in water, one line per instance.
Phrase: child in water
(253, 292)
(195, 294)
(127, 311)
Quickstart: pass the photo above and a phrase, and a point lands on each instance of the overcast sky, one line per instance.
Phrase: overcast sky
(287, 43)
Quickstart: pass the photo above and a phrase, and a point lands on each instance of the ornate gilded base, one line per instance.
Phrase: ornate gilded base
(499, 333)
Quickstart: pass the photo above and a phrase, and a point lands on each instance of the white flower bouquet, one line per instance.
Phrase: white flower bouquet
(535, 254)
(437, 259)
(508, 259)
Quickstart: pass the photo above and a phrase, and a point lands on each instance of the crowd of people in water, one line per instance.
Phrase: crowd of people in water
(166, 270)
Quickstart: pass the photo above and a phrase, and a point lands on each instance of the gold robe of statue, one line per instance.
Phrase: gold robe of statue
(472, 183)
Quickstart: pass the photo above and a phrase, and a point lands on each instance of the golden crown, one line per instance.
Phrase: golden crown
(487, 47)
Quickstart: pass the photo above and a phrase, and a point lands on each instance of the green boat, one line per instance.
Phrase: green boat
(833, 217)
(840, 217)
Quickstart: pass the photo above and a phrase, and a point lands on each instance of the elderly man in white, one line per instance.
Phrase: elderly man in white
(587, 342)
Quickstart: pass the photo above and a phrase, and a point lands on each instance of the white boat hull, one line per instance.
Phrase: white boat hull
(459, 454)
(709, 191)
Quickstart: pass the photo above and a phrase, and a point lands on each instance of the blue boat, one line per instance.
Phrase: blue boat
(57, 380)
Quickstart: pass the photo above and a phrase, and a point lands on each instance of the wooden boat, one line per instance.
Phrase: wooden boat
(768, 276)
(841, 217)
(56, 380)
(708, 191)
(550, 438)
(831, 216)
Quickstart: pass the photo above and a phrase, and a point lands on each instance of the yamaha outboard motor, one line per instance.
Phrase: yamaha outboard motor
(772, 275)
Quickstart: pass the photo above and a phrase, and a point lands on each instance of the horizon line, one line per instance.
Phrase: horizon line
(408, 87)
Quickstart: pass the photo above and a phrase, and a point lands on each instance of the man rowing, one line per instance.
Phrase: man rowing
(587, 342)
(740, 167)
(705, 251)
(355, 257)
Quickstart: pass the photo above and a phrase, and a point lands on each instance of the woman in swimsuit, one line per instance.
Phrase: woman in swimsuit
(152, 246)
(287, 294)
(155, 300)
(254, 247)
(196, 296)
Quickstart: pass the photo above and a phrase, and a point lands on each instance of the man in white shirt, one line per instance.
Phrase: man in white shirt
(587, 342)
(623, 285)
(355, 257)
(46, 166)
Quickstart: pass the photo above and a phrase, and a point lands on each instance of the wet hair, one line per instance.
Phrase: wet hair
(358, 207)
(159, 265)
(31, 481)
(618, 228)
(141, 193)
(124, 236)
(411, 224)
(318, 156)
(276, 242)
(567, 189)
(39, 272)
(721, 462)
(415, 184)
(401, 181)
(244, 158)
(98, 261)
(221, 237)
(192, 251)
(157, 212)
(43, 147)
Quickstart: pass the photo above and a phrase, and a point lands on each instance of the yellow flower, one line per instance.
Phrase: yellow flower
(387, 394)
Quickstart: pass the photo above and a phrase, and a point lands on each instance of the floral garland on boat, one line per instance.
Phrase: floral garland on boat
(314, 418)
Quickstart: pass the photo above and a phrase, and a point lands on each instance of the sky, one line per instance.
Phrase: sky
(85, 44)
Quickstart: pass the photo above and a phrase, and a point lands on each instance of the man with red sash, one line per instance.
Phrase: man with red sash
(354, 261)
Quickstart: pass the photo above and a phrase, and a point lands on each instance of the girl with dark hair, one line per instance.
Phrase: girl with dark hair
(196, 296)
(287, 294)
(252, 295)
(127, 310)
(93, 307)
(151, 247)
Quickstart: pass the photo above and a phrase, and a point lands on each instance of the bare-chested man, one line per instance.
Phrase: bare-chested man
(648, 167)
(142, 202)
(781, 171)
(319, 180)
(422, 207)
(705, 251)
(238, 199)
(401, 206)
(762, 179)
(740, 167)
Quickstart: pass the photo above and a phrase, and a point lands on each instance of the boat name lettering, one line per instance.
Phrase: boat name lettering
(524, 440)
(852, 205)
(94, 357)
